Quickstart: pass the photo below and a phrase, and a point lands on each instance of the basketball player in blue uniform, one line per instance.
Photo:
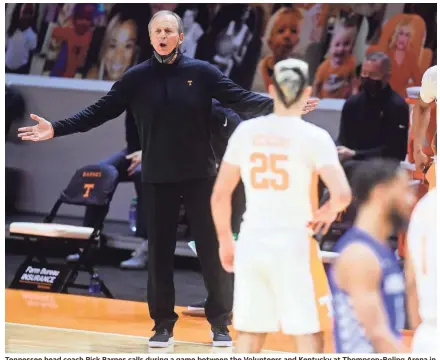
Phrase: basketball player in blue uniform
(366, 281)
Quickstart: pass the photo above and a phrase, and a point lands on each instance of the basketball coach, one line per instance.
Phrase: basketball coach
(170, 96)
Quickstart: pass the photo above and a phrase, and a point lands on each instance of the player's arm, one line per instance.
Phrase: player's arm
(227, 180)
(412, 300)
(421, 116)
(336, 182)
(329, 169)
(331, 173)
(415, 230)
(221, 199)
(362, 284)
(420, 122)
(334, 178)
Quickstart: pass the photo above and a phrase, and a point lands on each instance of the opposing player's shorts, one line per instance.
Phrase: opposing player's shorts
(280, 284)
(425, 340)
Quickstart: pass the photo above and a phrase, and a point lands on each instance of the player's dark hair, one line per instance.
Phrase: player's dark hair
(371, 173)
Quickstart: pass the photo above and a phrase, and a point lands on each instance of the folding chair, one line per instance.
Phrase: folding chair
(91, 185)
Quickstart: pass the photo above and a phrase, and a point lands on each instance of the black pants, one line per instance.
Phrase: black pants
(162, 208)
(238, 208)
(95, 213)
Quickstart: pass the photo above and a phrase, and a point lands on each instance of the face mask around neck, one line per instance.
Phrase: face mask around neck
(165, 59)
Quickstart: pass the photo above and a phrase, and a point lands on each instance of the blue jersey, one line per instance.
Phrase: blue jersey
(349, 334)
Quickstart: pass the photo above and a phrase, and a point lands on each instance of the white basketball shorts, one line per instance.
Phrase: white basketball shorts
(425, 340)
(280, 284)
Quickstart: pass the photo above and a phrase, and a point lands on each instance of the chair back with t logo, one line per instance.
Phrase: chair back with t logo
(92, 185)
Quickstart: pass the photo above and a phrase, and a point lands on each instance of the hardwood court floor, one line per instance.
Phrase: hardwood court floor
(48, 322)
(39, 322)
(34, 339)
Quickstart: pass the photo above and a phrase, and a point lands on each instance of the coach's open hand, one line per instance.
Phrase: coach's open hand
(310, 105)
(42, 131)
(136, 160)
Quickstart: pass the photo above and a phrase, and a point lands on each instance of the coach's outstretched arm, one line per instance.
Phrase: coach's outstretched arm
(110, 106)
(246, 103)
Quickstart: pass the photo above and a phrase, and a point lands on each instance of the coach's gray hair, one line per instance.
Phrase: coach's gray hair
(167, 12)
(383, 58)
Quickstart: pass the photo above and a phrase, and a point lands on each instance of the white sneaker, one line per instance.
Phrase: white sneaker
(73, 258)
(142, 248)
(197, 309)
(139, 260)
(200, 306)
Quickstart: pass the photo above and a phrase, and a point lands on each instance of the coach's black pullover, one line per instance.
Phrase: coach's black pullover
(171, 104)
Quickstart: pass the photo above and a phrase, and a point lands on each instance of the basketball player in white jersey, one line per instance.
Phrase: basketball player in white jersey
(421, 273)
(280, 282)
(421, 116)
(421, 261)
